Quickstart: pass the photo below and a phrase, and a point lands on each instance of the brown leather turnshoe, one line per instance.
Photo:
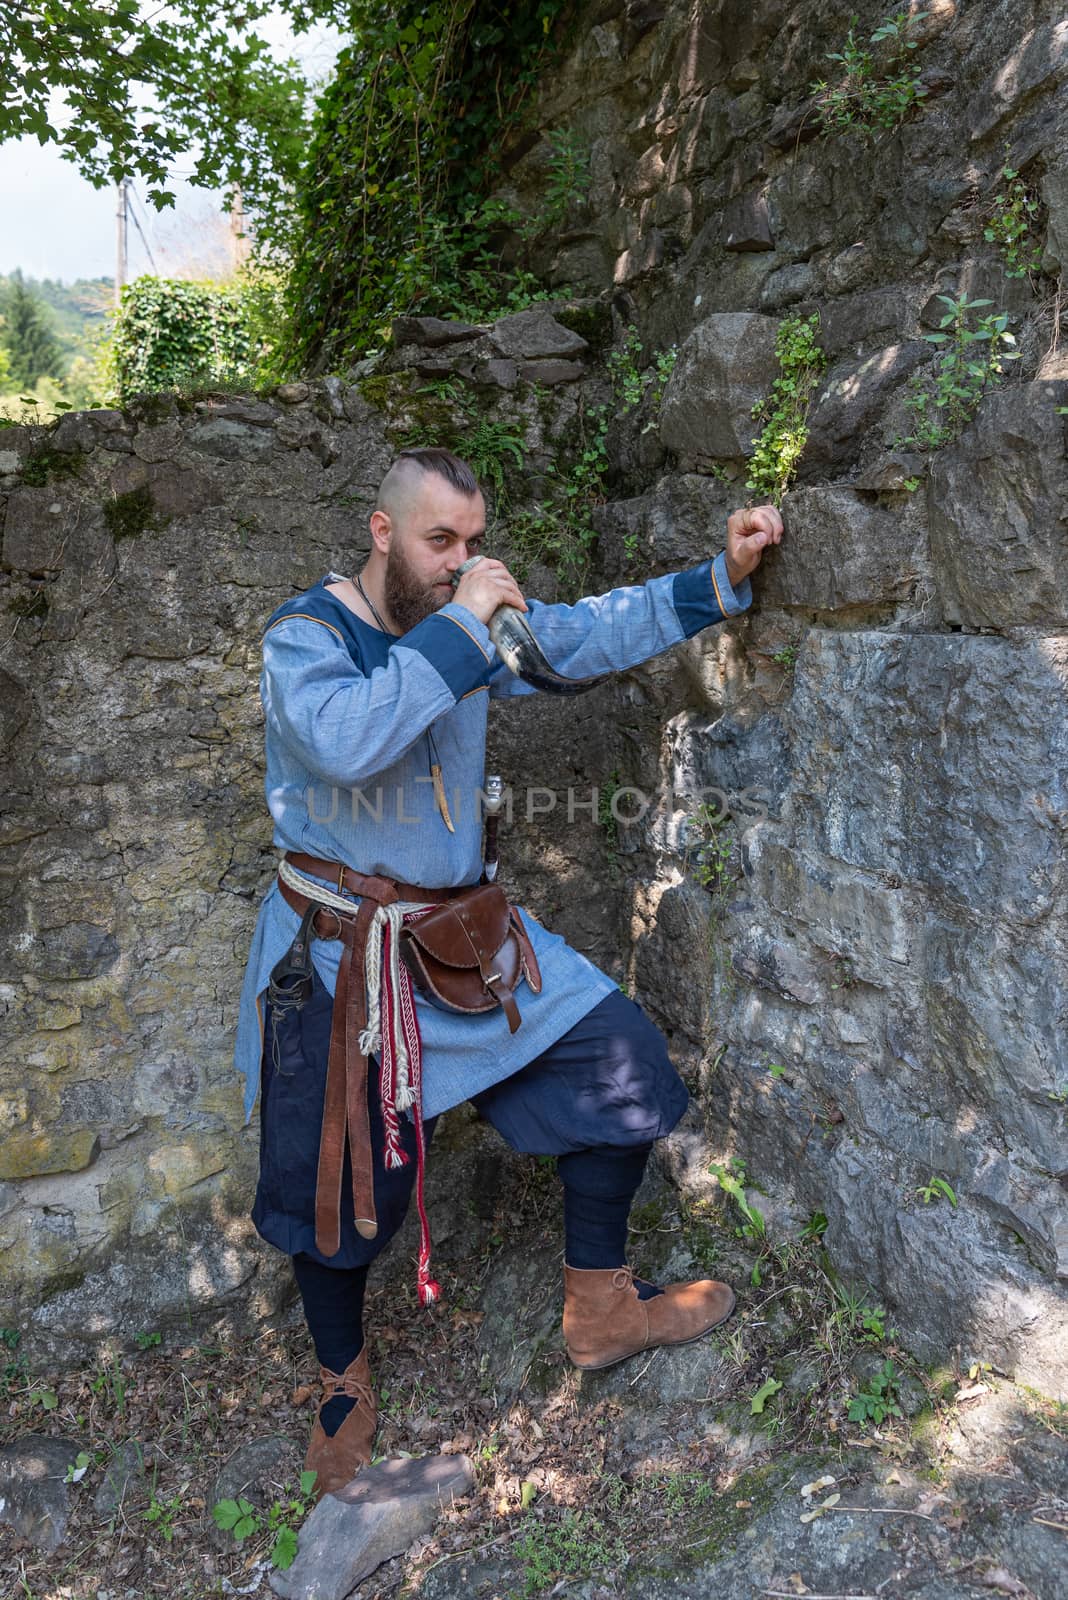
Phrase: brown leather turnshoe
(338, 1457)
(606, 1320)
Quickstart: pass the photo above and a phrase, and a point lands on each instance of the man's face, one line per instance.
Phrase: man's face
(441, 531)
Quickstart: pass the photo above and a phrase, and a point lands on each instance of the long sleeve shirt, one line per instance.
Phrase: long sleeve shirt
(354, 720)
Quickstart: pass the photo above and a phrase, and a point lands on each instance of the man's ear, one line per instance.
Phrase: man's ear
(381, 530)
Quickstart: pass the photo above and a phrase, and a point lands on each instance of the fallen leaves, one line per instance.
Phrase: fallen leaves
(813, 1488)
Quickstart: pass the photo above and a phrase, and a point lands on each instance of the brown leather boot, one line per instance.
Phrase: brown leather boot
(338, 1457)
(605, 1319)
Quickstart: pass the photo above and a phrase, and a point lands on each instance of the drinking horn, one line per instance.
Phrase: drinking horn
(520, 651)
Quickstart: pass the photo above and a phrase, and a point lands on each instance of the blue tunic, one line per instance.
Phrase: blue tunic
(353, 719)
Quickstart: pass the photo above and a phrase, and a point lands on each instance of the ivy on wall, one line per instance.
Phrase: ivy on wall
(171, 333)
(393, 212)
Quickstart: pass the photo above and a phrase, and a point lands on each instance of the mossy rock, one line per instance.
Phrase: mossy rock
(46, 464)
(32, 607)
(150, 410)
(128, 516)
(592, 321)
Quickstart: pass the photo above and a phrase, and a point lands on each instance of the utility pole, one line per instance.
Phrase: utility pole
(239, 242)
(120, 239)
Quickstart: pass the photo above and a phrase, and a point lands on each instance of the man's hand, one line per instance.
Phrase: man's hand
(748, 534)
(487, 586)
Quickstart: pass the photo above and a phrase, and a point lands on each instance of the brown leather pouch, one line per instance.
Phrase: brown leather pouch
(468, 954)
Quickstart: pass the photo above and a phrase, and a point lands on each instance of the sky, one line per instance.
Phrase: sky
(54, 224)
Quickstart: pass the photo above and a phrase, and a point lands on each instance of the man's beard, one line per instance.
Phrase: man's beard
(409, 599)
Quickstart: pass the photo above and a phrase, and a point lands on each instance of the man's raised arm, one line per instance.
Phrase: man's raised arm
(610, 632)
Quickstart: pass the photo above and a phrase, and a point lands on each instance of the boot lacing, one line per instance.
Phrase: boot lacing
(623, 1278)
(346, 1383)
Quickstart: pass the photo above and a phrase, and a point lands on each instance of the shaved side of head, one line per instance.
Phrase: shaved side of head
(401, 490)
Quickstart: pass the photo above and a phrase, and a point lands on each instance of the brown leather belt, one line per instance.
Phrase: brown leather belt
(345, 1106)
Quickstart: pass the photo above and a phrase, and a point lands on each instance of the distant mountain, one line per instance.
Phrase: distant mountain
(78, 310)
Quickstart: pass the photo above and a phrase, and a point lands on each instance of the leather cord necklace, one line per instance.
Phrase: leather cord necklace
(433, 759)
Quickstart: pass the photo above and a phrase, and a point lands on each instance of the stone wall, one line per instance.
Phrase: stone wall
(893, 939)
(889, 929)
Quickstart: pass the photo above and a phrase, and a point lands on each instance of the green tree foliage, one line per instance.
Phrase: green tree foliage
(32, 347)
(145, 84)
(176, 334)
(79, 311)
(393, 213)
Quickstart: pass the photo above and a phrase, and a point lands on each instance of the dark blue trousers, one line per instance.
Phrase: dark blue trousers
(608, 1083)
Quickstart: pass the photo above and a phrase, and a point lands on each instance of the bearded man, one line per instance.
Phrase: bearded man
(375, 690)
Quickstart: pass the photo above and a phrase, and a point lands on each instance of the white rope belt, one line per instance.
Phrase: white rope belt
(385, 916)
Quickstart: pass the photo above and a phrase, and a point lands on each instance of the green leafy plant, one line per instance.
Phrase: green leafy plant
(489, 445)
(13, 1367)
(873, 1323)
(567, 179)
(78, 1468)
(663, 366)
(844, 975)
(1013, 225)
(971, 358)
(710, 851)
(784, 412)
(238, 1517)
(625, 371)
(146, 1341)
(561, 531)
(143, 86)
(878, 1399)
(161, 1514)
(281, 1519)
(877, 84)
(731, 1177)
(681, 1492)
(172, 333)
(395, 212)
(934, 1189)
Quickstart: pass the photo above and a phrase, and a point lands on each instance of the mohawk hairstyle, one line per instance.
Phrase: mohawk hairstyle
(426, 458)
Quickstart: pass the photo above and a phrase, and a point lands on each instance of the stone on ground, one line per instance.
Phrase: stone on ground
(34, 1494)
(372, 1519)
(126, 1467)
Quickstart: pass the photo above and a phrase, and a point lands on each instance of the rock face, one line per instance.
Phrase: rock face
(851, 868)
(724, 368)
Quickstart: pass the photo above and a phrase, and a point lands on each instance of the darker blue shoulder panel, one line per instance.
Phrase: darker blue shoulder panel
(317, 604)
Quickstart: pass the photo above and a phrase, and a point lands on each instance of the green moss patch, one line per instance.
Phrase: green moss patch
(47, 464)
(128, 516)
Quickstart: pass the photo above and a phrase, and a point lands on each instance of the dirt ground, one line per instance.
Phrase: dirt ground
(671, 1473)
